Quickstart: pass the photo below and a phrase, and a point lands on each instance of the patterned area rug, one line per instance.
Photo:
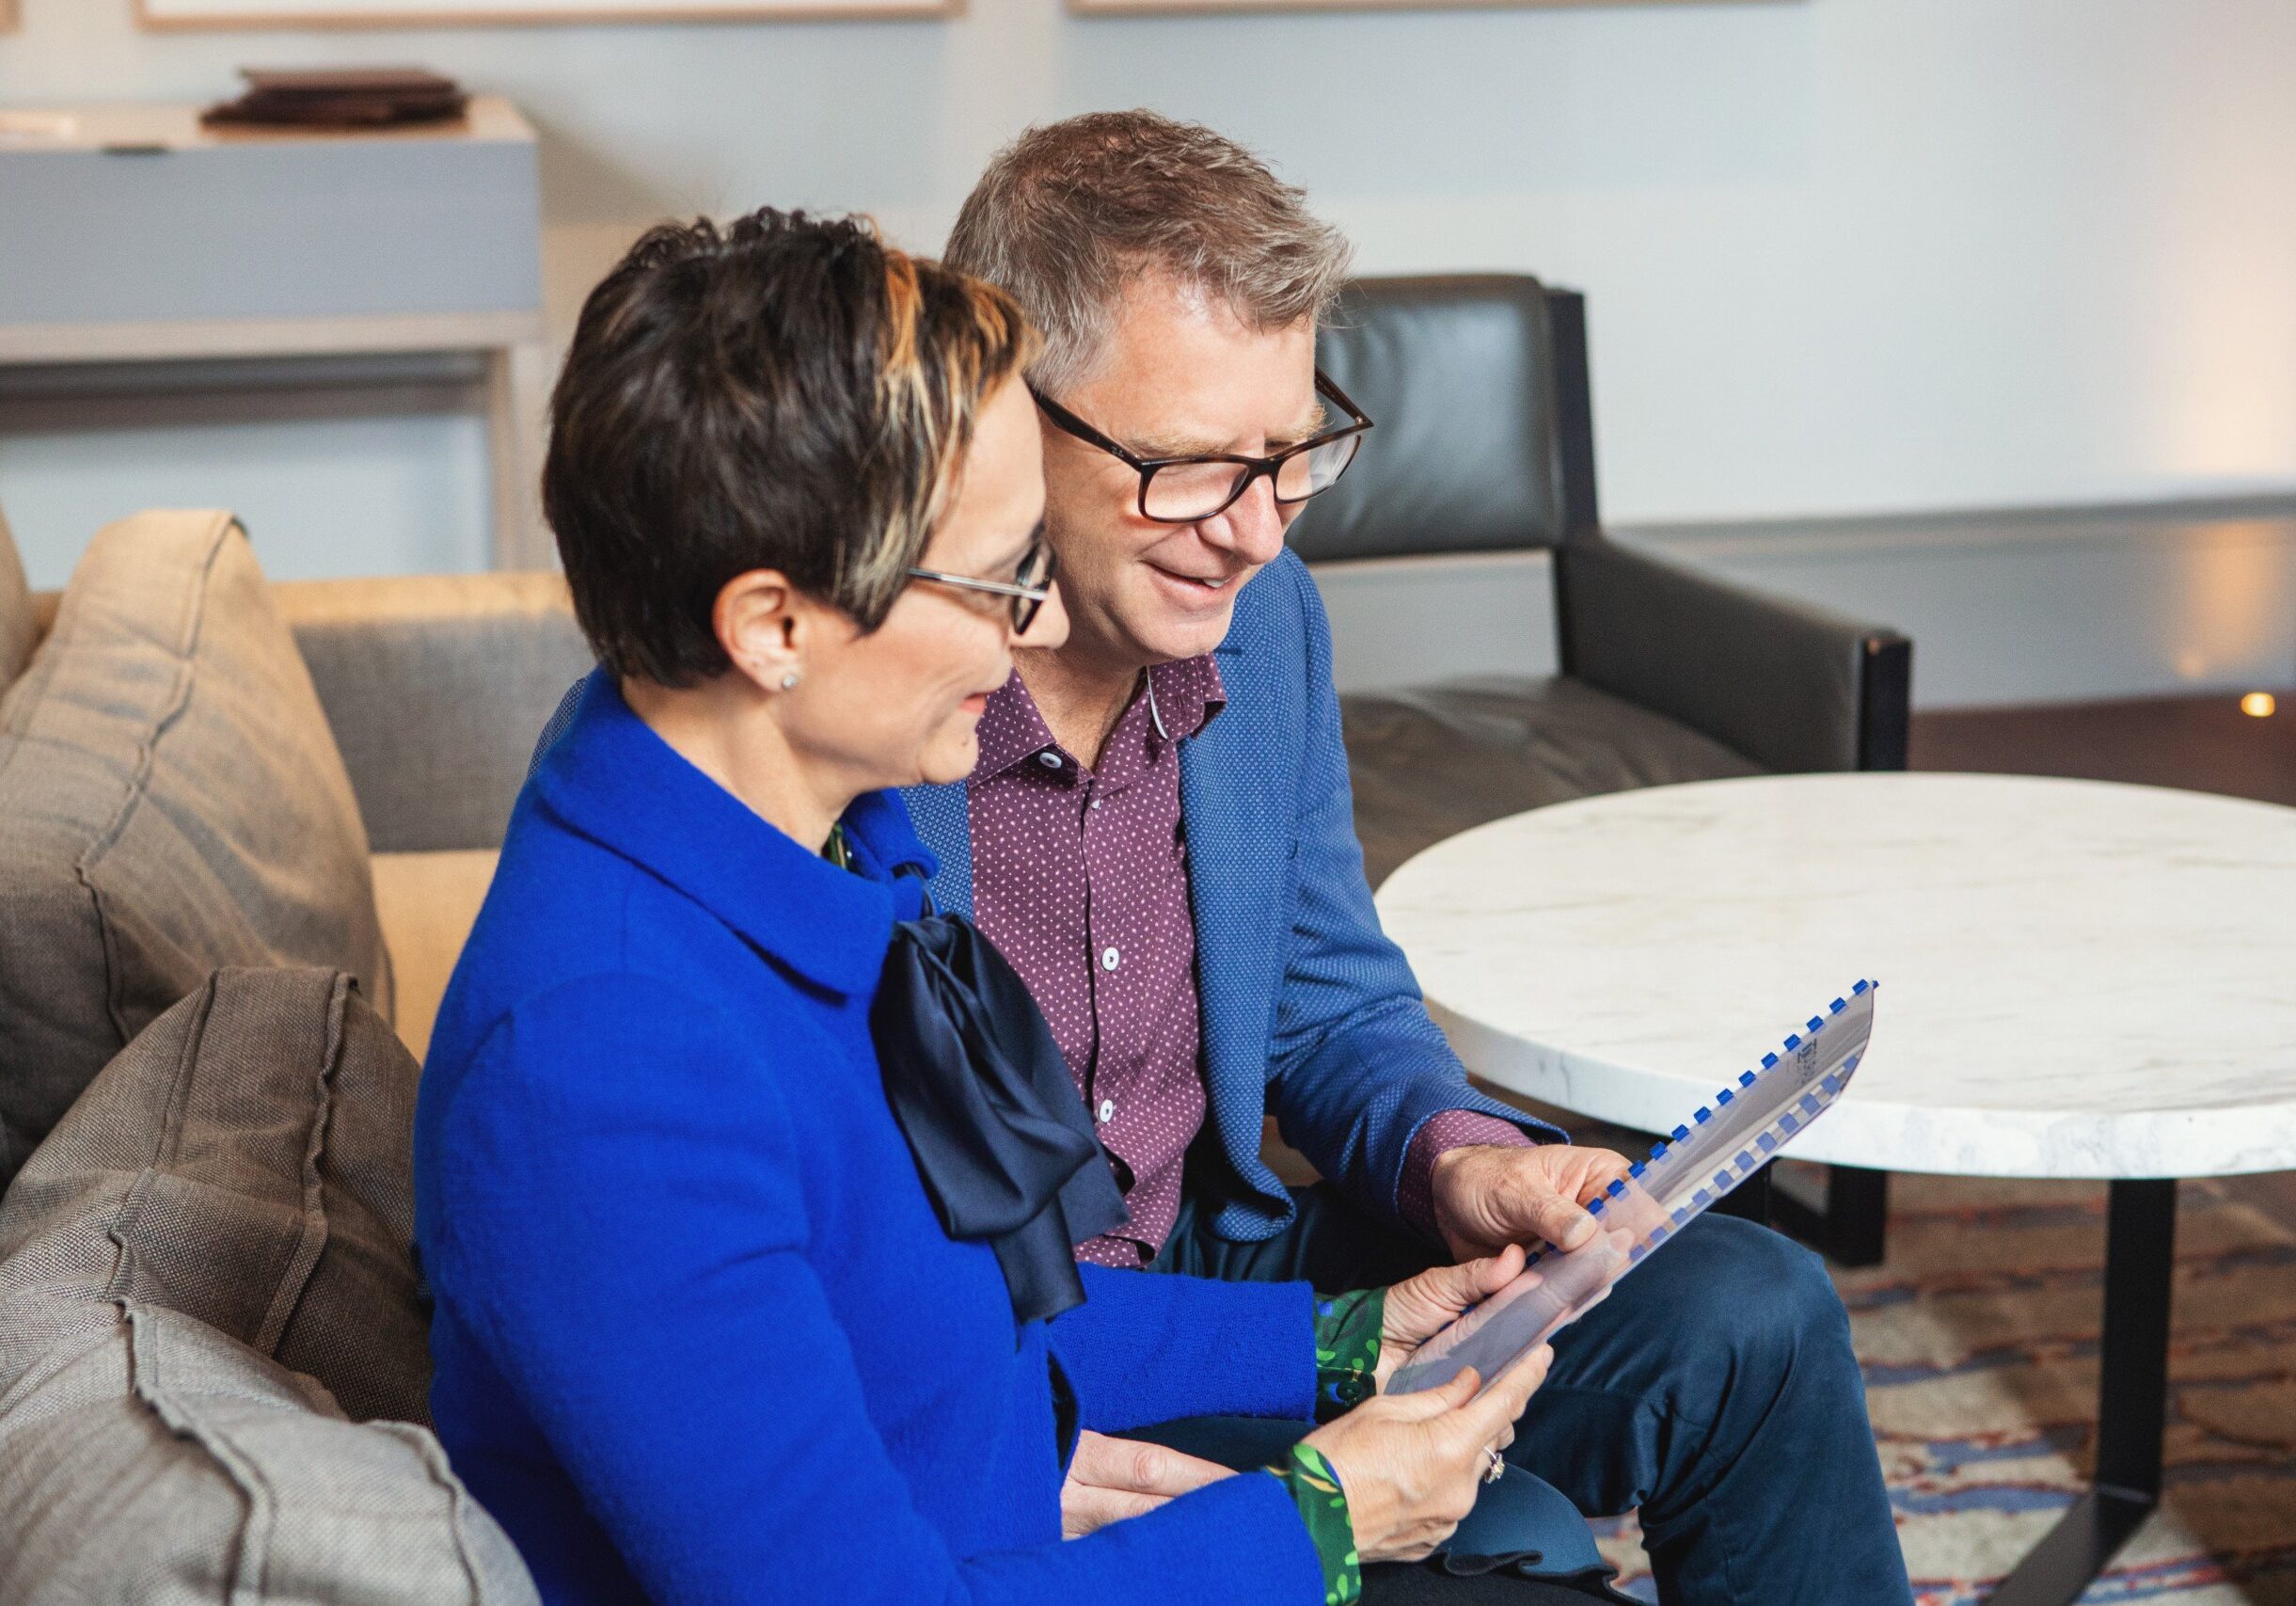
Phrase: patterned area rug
(1979, 1342)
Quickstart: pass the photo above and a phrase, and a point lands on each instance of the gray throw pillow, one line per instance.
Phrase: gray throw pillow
(202, 1271)
(171, 801)
(247, 1161)
(15, 609)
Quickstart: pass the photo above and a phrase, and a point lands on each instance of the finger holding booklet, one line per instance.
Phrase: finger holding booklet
(1720, 1146)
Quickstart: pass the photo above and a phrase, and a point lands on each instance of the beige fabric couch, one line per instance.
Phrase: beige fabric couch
(436, 689)
(232, 817)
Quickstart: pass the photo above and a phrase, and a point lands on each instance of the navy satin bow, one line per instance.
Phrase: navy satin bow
(984, 1099)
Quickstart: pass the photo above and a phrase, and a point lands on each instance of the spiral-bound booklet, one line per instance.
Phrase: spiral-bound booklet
(1718, 1148)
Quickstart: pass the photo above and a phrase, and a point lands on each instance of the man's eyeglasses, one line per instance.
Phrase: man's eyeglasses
(1028, 588)
(1180, 490)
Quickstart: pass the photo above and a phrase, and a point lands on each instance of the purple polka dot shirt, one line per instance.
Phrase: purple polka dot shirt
(1080, 877)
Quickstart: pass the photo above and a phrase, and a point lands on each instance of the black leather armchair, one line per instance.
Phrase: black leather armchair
(1485, 443)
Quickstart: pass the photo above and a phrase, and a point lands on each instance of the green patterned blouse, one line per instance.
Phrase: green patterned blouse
(1315, 1489)
(1347, 1327)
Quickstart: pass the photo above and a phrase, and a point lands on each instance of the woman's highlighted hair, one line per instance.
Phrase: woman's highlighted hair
(780, 392)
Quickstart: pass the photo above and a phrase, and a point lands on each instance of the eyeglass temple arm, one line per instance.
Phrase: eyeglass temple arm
(1324, 383)
(1001, 587)
(1082, 430)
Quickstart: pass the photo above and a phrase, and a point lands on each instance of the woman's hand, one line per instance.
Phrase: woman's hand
(1420, 1306)
(1110, 1479)
(1410, 1464)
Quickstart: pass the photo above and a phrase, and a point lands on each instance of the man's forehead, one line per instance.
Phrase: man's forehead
(1182, 374)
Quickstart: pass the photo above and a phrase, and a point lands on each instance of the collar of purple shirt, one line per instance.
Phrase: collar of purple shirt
(1181, 698)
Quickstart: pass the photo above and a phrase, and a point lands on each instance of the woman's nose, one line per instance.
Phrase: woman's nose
(1050, 627)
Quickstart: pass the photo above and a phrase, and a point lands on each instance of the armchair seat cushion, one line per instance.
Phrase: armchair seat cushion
(1429, 762)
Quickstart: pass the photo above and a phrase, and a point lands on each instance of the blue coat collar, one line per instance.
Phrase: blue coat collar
(613, 780)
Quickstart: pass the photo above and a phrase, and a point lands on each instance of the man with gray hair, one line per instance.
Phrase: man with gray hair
(1159, 834)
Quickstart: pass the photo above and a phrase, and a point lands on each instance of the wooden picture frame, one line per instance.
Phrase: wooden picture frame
(1263, 8)
(185, 16)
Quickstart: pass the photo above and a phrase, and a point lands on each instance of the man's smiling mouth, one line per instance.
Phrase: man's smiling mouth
(1219, 582)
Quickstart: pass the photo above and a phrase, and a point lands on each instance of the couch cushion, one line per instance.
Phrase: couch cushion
(16, 627)
(170, 802)
(435, 686)
(1432, 762)
(429, 902)
(202, 1271)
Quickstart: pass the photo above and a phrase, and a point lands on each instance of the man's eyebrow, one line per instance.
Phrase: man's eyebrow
(1174, 446)
(1203, 446)
(1316, 422)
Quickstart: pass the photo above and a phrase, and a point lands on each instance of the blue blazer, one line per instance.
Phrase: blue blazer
(699, 1335)
(1308, 1011)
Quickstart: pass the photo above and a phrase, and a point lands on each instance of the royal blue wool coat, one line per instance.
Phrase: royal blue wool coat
(699, 1337)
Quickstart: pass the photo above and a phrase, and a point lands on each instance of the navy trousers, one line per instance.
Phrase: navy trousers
(1715, 1391)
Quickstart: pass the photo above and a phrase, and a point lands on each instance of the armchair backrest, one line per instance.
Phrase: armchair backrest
(1484, 442)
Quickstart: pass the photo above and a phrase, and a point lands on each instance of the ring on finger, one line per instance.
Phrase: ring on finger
(1494, 1466)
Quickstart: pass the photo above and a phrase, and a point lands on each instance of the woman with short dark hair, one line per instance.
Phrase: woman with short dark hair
(749, 1188)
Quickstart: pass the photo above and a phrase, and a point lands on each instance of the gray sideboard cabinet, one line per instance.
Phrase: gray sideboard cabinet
(133, 243)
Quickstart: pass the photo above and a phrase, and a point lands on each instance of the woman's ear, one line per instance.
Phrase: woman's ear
(764, 623)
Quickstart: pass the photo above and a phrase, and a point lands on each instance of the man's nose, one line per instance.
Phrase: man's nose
(1253, 528)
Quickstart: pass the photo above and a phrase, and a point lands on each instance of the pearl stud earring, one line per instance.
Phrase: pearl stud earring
(789, 681)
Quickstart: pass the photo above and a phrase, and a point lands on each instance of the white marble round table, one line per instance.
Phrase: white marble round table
(2078, 980)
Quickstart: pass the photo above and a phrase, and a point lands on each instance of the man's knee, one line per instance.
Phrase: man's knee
(1766, 1296)
(1740, 1296)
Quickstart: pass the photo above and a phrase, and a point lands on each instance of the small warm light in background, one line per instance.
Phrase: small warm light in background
(2258, 704)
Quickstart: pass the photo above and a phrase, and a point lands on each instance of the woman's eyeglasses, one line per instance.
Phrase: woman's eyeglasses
(1182, 490)
(1028, 588)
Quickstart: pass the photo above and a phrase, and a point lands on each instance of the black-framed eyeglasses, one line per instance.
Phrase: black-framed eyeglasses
(1180, 490)
(1029, 586)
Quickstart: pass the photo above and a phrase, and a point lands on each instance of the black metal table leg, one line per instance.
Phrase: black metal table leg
(2132, 1406)
(1851, 1227)
(1857, 1214)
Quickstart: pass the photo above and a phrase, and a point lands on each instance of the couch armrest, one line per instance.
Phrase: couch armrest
(436, 686)
(1791, 686)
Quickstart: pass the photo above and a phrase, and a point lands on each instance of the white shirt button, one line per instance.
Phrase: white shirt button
(1108, 1111)
(1096, 803)
(1108, 959)
(1050, 759)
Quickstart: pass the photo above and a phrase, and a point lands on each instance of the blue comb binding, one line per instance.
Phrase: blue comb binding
(1720, 1145)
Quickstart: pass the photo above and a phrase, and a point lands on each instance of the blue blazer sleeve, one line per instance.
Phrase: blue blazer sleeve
(1144, 1349)
(728, 1450)
(1356, 1065)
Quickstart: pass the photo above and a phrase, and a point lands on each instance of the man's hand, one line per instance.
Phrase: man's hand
(1110, 1479)
(1488, 1195)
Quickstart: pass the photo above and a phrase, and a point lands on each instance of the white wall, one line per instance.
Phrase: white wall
(1843, 255)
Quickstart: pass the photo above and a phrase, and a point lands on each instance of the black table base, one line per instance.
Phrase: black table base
(2132, 1404)
(1849, 1227)
(2132, 1382)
